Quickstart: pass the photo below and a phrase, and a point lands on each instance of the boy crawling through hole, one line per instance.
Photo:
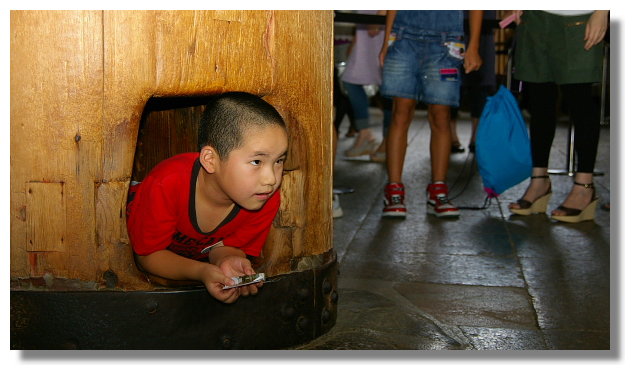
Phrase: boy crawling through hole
(197, 216)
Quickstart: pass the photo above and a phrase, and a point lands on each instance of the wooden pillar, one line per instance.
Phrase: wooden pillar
(76, 105)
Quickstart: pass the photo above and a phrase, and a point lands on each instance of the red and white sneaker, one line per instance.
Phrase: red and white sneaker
(438, 202)
(394, 196)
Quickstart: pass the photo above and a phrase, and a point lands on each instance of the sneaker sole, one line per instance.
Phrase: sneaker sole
(394, 214)
(431, 211)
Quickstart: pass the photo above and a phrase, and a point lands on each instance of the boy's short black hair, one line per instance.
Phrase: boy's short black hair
(227, 116)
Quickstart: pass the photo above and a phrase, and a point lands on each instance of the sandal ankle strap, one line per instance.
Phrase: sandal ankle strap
(586, 186)
(545, 176)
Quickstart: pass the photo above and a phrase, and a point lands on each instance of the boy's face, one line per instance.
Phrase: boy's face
(252, 173)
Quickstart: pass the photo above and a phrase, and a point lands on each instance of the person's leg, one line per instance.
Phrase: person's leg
(440, 81)
(472, 144)
(364, 143)
(397, 140)
(342, 108)
(586, 120)
(359, 102)
(440, 143)
(440, 140)
(543, 99)
(542, 107)
(387, 111)
(455, 142)
(380, 152)
(348, 110)
(478, 99)
(336, 208)
(396, 143)
(339, 104)
(400, 82)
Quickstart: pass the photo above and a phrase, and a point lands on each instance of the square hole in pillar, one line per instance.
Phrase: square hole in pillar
(168, 127)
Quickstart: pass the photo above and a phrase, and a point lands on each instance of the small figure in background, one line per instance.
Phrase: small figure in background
(363, 71)
(422, 56)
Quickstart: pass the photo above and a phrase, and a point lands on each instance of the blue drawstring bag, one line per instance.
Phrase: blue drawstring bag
(503, 151)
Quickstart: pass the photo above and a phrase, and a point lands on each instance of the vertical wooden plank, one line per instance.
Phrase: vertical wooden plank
(302, 87)
(45, 226)
(113, 254)
(130, 64)
(56, 96)
(19, 264)
(110, 195)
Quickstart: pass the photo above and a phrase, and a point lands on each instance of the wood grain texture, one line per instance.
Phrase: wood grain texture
(80, 81)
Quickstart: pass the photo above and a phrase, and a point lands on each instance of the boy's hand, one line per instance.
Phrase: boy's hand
(214, 280)
(238, 266)
(167, 264)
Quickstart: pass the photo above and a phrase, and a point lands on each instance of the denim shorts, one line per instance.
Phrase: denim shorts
(425, 67)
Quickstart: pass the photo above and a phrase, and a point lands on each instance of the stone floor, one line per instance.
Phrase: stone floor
(486, 281)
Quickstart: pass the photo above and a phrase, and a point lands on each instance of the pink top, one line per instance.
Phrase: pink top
(362, 66)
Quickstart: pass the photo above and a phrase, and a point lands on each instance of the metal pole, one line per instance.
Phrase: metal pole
(603, 120)
(570, 155)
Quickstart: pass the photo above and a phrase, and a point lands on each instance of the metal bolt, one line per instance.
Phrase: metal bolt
(334, 297)
(326, 315)
(152, 307)
(288, 311)
(226, 341)
(304, 293)
(326, 286)
(111, 279)
(70, 344)
(302, 324)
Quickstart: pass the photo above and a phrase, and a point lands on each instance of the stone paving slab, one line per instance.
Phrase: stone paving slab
(486, 281)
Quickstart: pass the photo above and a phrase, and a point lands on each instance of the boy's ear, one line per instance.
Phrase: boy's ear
(209, 159)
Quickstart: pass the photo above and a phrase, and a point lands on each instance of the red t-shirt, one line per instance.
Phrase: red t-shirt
(162, 214)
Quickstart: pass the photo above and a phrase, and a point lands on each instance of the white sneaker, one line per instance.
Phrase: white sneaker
(337, 209)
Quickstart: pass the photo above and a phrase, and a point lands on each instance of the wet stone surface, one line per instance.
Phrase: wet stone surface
(375, 322)
(486, 281)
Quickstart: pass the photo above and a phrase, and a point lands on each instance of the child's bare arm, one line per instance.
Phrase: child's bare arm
(390, 19)
(169, 265)
(473, 60)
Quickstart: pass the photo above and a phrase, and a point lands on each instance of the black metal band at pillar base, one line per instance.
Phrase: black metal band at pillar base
(295, 309)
